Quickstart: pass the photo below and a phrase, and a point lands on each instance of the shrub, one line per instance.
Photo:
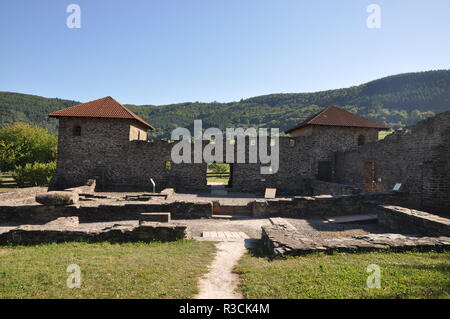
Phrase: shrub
(36, 174)
(22, 143)
(219, 168)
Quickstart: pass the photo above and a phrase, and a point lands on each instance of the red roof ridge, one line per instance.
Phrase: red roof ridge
(105, 107)
(335, 116)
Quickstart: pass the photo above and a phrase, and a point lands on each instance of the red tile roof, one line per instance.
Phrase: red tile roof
(334, 116)
(106, 107)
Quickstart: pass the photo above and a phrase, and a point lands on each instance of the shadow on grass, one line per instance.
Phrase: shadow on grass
(258, 249)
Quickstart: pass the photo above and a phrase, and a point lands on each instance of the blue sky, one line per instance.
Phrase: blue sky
(168, 51)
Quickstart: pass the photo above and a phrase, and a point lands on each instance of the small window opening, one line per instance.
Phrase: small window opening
(361, 140)
(77, 131)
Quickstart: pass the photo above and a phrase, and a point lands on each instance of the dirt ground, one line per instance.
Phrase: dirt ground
(321, 229)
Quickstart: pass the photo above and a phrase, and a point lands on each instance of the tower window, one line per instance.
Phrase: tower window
(361, 140)
(77, 130)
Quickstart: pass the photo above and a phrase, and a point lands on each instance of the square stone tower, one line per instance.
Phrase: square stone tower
(93, 136)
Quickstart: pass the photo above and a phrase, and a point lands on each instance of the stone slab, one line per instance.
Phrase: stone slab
(281, 239)
(224, 236)
(270, 193)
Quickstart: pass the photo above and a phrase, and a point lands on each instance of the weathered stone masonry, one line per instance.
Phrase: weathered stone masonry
(115, 152)
(418, 157)
(107, 152)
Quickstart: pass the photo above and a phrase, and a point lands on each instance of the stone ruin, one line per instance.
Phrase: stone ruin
(333, 172)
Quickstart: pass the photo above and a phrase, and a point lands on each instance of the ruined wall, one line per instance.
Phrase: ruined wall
(109, 150)
(417, 157)
(324, 205)
(411, 221)
(299, 160)
(38, 214)
(327, 188)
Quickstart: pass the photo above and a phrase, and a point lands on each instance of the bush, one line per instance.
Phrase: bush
(219, 168)
(22, 143)
(36, 174)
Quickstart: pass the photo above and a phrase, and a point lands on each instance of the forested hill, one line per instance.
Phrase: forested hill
(397, 101)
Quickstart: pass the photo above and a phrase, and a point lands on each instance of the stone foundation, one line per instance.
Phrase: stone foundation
(29, 214)
(327, 188)
(397, 218)
(281, 238)
(147, 232)
(321, 206)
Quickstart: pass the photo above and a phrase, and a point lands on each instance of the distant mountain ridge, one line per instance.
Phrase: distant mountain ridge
(396, 101)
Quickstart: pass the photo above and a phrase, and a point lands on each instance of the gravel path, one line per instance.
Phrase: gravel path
(220, 282)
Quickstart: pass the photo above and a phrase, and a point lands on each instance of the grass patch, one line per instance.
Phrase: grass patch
(223, 180)
(383, 134)
(403, 275)
(131, 270)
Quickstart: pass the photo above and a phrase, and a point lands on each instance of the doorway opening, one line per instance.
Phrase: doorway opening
(219, 174)
(370, 183)
(325, 171)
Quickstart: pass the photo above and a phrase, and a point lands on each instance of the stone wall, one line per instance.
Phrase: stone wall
(412, 221)
(327, 188)
(282, 238)
(417, 157)
(321, 206)
(32, 235)
(28, 214)
(109, 151)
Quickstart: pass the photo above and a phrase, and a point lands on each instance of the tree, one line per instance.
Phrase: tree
(21, 143)
(219, 168)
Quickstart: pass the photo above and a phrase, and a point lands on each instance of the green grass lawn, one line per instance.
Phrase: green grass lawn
(403, 275)
(383, 134)
(223, 180)
(132, 270)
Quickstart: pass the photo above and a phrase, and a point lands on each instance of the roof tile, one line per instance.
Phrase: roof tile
(105, 107)
(334, 116)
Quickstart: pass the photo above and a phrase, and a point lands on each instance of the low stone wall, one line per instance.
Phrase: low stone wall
(28, 214)
(402, 219)
(326, 188)
(31, 234)
(321, 206)
(281, 238)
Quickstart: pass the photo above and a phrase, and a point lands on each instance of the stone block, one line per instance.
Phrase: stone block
(57, 198)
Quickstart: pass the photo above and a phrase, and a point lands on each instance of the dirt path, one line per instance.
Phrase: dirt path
(220, 282)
